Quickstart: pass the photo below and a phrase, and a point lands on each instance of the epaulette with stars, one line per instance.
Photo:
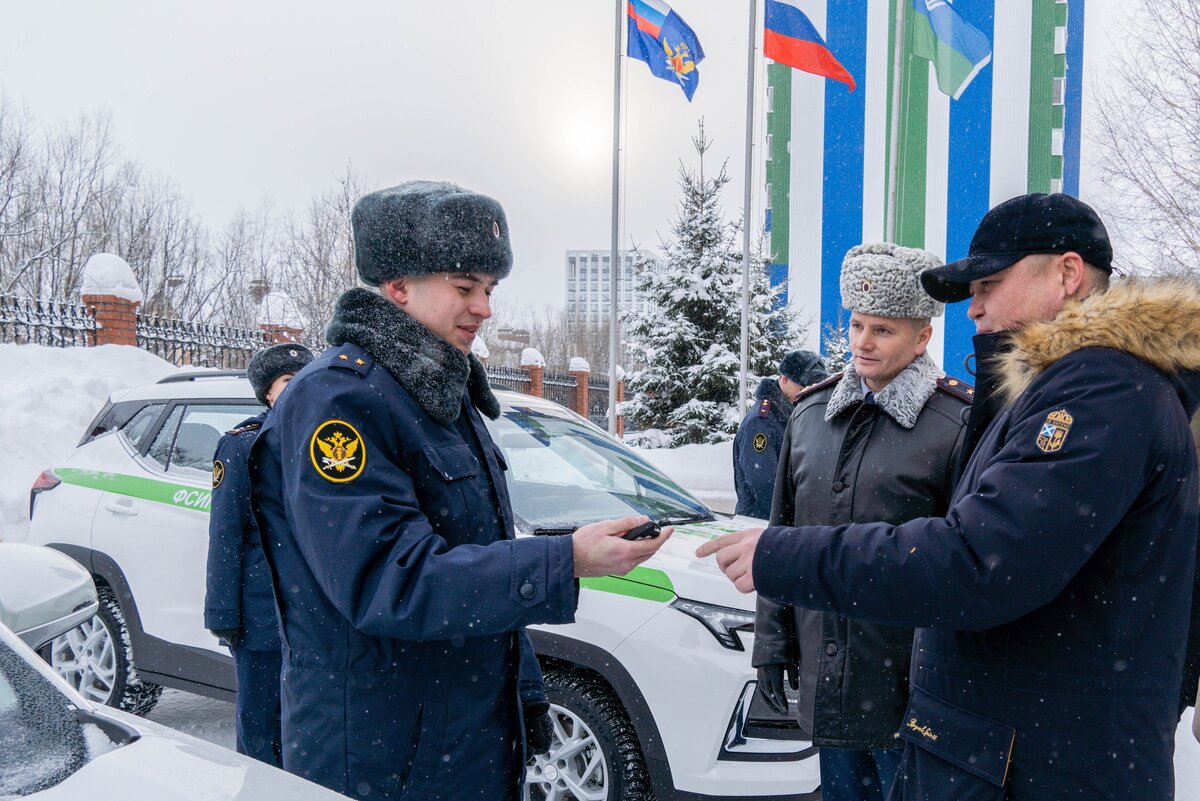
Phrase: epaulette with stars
(352, 359)
(811, 388)
(957, 387)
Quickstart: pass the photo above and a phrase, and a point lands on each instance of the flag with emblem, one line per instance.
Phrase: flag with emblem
(790, 38)
(669, 47)
(957, 49)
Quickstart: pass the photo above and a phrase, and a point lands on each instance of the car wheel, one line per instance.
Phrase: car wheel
(97, 660)
(594, 751)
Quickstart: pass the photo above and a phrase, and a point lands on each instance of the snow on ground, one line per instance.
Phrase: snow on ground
(47, 399)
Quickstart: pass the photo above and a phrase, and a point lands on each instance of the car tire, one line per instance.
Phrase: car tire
(593, 745)
(96, 658)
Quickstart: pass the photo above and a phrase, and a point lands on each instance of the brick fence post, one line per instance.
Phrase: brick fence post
(534, 363)
(580, 370)
(277, 334)
(111, 295)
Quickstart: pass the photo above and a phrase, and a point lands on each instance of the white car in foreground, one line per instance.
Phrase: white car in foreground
(57, 746)
(651, 687)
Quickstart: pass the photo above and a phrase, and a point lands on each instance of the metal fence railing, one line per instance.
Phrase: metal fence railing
(559, 388)
(27, 321)
(598, 402)
(510, 378)
(200, 344)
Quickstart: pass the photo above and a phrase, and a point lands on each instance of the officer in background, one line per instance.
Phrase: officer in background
(756, 446)
(239, 606)
(874, 442)
(403, 592)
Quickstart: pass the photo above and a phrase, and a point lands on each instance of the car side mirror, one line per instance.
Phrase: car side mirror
(43, 592)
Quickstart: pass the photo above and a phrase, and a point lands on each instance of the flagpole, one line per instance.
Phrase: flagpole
(613, 264)
(746, 215)
(894, 143)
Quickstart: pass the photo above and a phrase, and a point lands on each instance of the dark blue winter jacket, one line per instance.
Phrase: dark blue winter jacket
(402, 590)
(756, 449)
(1053, 596)
(239, 595)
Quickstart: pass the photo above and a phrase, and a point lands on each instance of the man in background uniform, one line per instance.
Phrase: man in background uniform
(239, 605)
(756, 446)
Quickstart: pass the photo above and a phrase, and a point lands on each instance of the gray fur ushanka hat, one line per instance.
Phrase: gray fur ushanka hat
(883, 279)
(270, 363)
(427, 227)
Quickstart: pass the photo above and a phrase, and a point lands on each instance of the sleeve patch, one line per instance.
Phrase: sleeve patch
(218, 473)
(337, 451)
(760, 442)
(1053, 433)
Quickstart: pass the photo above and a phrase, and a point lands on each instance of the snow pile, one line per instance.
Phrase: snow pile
(706, 471)
(579, 365)
(48, 398)
(106, 274)
(532, 357)
(278, 308)
(480, 349)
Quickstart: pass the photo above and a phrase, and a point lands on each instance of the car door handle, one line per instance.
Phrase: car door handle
(121, 508)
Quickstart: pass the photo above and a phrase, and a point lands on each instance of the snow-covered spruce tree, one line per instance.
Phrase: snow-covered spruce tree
(687, 349)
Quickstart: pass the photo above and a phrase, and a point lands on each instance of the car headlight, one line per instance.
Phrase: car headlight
(723, 622)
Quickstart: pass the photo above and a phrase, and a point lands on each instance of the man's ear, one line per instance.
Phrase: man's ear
(396, 290)
(1073, 270)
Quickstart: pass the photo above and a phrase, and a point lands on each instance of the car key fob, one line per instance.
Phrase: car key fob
(646, 531)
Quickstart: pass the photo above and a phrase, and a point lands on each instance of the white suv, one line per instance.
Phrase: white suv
(651, 687)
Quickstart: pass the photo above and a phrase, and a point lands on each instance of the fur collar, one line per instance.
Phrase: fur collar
(1155, 320)
(902, 399)
(781, 407)
(434, 372)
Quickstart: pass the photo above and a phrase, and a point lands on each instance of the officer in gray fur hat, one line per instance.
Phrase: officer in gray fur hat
(383, 503)
(874, 442)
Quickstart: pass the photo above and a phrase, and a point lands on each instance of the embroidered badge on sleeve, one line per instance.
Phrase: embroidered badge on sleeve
(337, 451)
(1054, 431)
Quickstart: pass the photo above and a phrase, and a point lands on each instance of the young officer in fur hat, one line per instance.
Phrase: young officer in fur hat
(402, 590)
(756, 446)
(874, 442)
(1051, 600)
(239, 605)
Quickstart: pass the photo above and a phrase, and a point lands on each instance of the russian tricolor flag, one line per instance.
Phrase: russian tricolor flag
(791, 39)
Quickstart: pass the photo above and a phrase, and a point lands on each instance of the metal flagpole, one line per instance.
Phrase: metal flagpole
(746, 215)
(613, 265)
(894, 145)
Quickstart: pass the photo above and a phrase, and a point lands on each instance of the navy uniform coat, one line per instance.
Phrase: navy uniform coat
(756, 449)
(1053, 596)
(402, 590)
(239, 595)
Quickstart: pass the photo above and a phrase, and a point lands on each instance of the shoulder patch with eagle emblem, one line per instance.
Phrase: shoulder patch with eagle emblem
(337, 451)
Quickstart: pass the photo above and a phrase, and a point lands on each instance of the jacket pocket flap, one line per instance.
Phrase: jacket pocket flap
(451, 461)
(976, 744)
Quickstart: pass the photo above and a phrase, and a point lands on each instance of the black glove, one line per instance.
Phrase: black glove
(230, 637)
(538, 729)
(770, 685)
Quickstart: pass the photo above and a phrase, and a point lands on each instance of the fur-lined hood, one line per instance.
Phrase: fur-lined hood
(781, 407)
(1155, 320)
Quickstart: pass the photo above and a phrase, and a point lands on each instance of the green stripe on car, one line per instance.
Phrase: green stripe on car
(149, 489)
(641, 582)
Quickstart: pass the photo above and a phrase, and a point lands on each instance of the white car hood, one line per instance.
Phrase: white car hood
(699, 579)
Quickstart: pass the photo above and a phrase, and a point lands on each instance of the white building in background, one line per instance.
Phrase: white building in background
(589, 283)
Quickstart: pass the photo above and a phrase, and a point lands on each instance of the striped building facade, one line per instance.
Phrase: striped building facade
(1015, 129)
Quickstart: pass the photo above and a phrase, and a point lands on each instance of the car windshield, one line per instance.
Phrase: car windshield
(42, 741)
(564, 472)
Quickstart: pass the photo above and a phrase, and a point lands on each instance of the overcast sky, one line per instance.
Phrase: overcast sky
(246, 101)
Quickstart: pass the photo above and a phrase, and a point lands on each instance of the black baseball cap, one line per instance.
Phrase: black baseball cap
(1020, 227)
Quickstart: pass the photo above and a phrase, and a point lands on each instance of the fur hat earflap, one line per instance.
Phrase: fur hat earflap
(804, 367)
(270, 363)
(427, 227)
(883, 279)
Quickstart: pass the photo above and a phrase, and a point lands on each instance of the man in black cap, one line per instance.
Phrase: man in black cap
(756, 446)
(239, 604)
(403, 593)
(1052, 598)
